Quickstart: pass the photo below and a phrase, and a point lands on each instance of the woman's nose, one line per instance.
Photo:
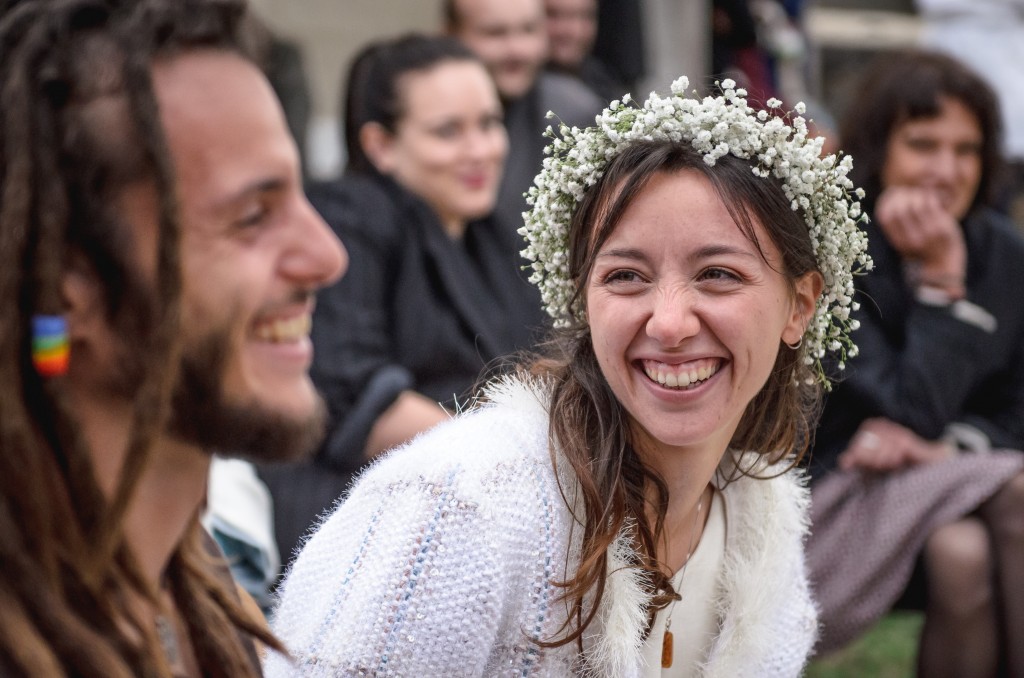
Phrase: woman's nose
(674, 317)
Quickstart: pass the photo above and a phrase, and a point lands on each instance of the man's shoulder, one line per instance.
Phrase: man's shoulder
(569, 98)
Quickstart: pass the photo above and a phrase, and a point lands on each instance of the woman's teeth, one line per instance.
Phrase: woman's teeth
(674, 377)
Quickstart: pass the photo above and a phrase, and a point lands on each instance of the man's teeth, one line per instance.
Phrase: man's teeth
(291, 329)
(680, 378)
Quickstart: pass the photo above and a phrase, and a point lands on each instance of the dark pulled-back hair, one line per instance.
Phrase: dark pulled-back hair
(450, 15)
(79, 123)
(910, 85)
(374, 86)
(588, 424)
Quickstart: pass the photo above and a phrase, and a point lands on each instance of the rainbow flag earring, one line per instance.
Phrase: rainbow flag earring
(50, 348)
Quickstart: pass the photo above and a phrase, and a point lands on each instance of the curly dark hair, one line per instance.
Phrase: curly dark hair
(907, 86)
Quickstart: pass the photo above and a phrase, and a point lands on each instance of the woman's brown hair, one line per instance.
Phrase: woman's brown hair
(79, 122)
(590, 428)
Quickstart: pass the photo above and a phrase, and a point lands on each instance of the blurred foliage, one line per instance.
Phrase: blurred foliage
(889, 650)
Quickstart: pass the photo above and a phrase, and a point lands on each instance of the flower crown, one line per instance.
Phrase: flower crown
(817, 187)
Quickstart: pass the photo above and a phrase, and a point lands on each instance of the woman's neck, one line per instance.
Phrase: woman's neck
(685, 518)
(687, 475)
(454, 227)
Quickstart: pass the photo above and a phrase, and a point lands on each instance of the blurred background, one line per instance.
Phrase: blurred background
(833, 39)
(799, 50)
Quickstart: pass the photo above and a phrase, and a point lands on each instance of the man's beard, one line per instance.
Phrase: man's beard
(203, 415)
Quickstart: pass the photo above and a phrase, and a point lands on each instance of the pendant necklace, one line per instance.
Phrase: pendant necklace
(666, 643)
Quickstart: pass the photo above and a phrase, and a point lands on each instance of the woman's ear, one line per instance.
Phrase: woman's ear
(378, 145)
(806, 291)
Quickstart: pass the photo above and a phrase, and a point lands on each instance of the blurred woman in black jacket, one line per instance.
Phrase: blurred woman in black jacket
(434, 290)
(920, 491)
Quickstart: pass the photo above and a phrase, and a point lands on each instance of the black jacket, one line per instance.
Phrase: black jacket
(416, 310)
(922, 367)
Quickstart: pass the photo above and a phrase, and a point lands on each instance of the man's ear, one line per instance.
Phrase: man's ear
(378, 144)
(82, 299)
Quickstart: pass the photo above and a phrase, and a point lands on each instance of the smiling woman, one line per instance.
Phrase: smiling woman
(623, 505)
(918, 463)
(679, 302)
(434, 291)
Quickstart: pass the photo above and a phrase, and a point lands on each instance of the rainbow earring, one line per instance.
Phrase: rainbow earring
(50, 348)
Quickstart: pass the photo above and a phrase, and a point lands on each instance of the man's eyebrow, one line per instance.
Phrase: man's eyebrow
(260, 186)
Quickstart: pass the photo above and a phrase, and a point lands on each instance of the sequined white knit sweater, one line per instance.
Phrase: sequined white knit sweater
(441, 561)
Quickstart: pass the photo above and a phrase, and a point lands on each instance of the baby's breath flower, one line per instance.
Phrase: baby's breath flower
(818, 189)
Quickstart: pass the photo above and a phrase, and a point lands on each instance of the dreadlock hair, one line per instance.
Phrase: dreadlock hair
(79, 122)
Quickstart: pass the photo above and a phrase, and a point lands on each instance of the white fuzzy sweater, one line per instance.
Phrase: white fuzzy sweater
(442, 559)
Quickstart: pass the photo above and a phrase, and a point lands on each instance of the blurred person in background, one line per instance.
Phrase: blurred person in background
(434, 292)
(161, 265)
(510, 38)
(919, 497)
(572, 29)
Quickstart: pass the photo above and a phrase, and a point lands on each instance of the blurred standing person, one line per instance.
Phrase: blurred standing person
(434, 292)
(572, 29)
(620, 43)
(161, 260)
(920, 490)
(511, 39)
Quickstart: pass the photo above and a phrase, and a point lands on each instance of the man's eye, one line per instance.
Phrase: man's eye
(253, 217)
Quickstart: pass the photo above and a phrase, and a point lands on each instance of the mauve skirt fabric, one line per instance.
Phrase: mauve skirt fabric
(867, 531)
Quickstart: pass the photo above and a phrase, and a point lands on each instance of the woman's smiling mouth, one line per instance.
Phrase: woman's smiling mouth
(681, 377)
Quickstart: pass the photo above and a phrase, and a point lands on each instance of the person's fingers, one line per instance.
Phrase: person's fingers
(867, 450)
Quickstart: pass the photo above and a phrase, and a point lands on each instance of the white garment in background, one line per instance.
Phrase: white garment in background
(239, 515)
(987, 36)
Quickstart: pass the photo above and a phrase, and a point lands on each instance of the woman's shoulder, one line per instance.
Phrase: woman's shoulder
(1001, 237)
(768, 499)
(499, 437)
(769, 622)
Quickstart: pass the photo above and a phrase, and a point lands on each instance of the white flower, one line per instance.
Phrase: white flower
(817, 188)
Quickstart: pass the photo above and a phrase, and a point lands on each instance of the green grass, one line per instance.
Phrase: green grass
(888, 650)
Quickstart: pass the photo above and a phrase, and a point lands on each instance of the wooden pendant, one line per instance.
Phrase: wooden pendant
(666, 650)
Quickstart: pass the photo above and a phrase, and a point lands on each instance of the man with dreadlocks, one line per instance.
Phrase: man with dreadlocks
(159, 261)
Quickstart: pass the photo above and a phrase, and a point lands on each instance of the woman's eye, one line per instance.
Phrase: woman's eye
(449, 131)
(623, 276)
(719, 274)
(921, 145)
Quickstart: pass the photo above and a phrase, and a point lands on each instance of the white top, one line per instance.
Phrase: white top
(443, 557)
(694, 617)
